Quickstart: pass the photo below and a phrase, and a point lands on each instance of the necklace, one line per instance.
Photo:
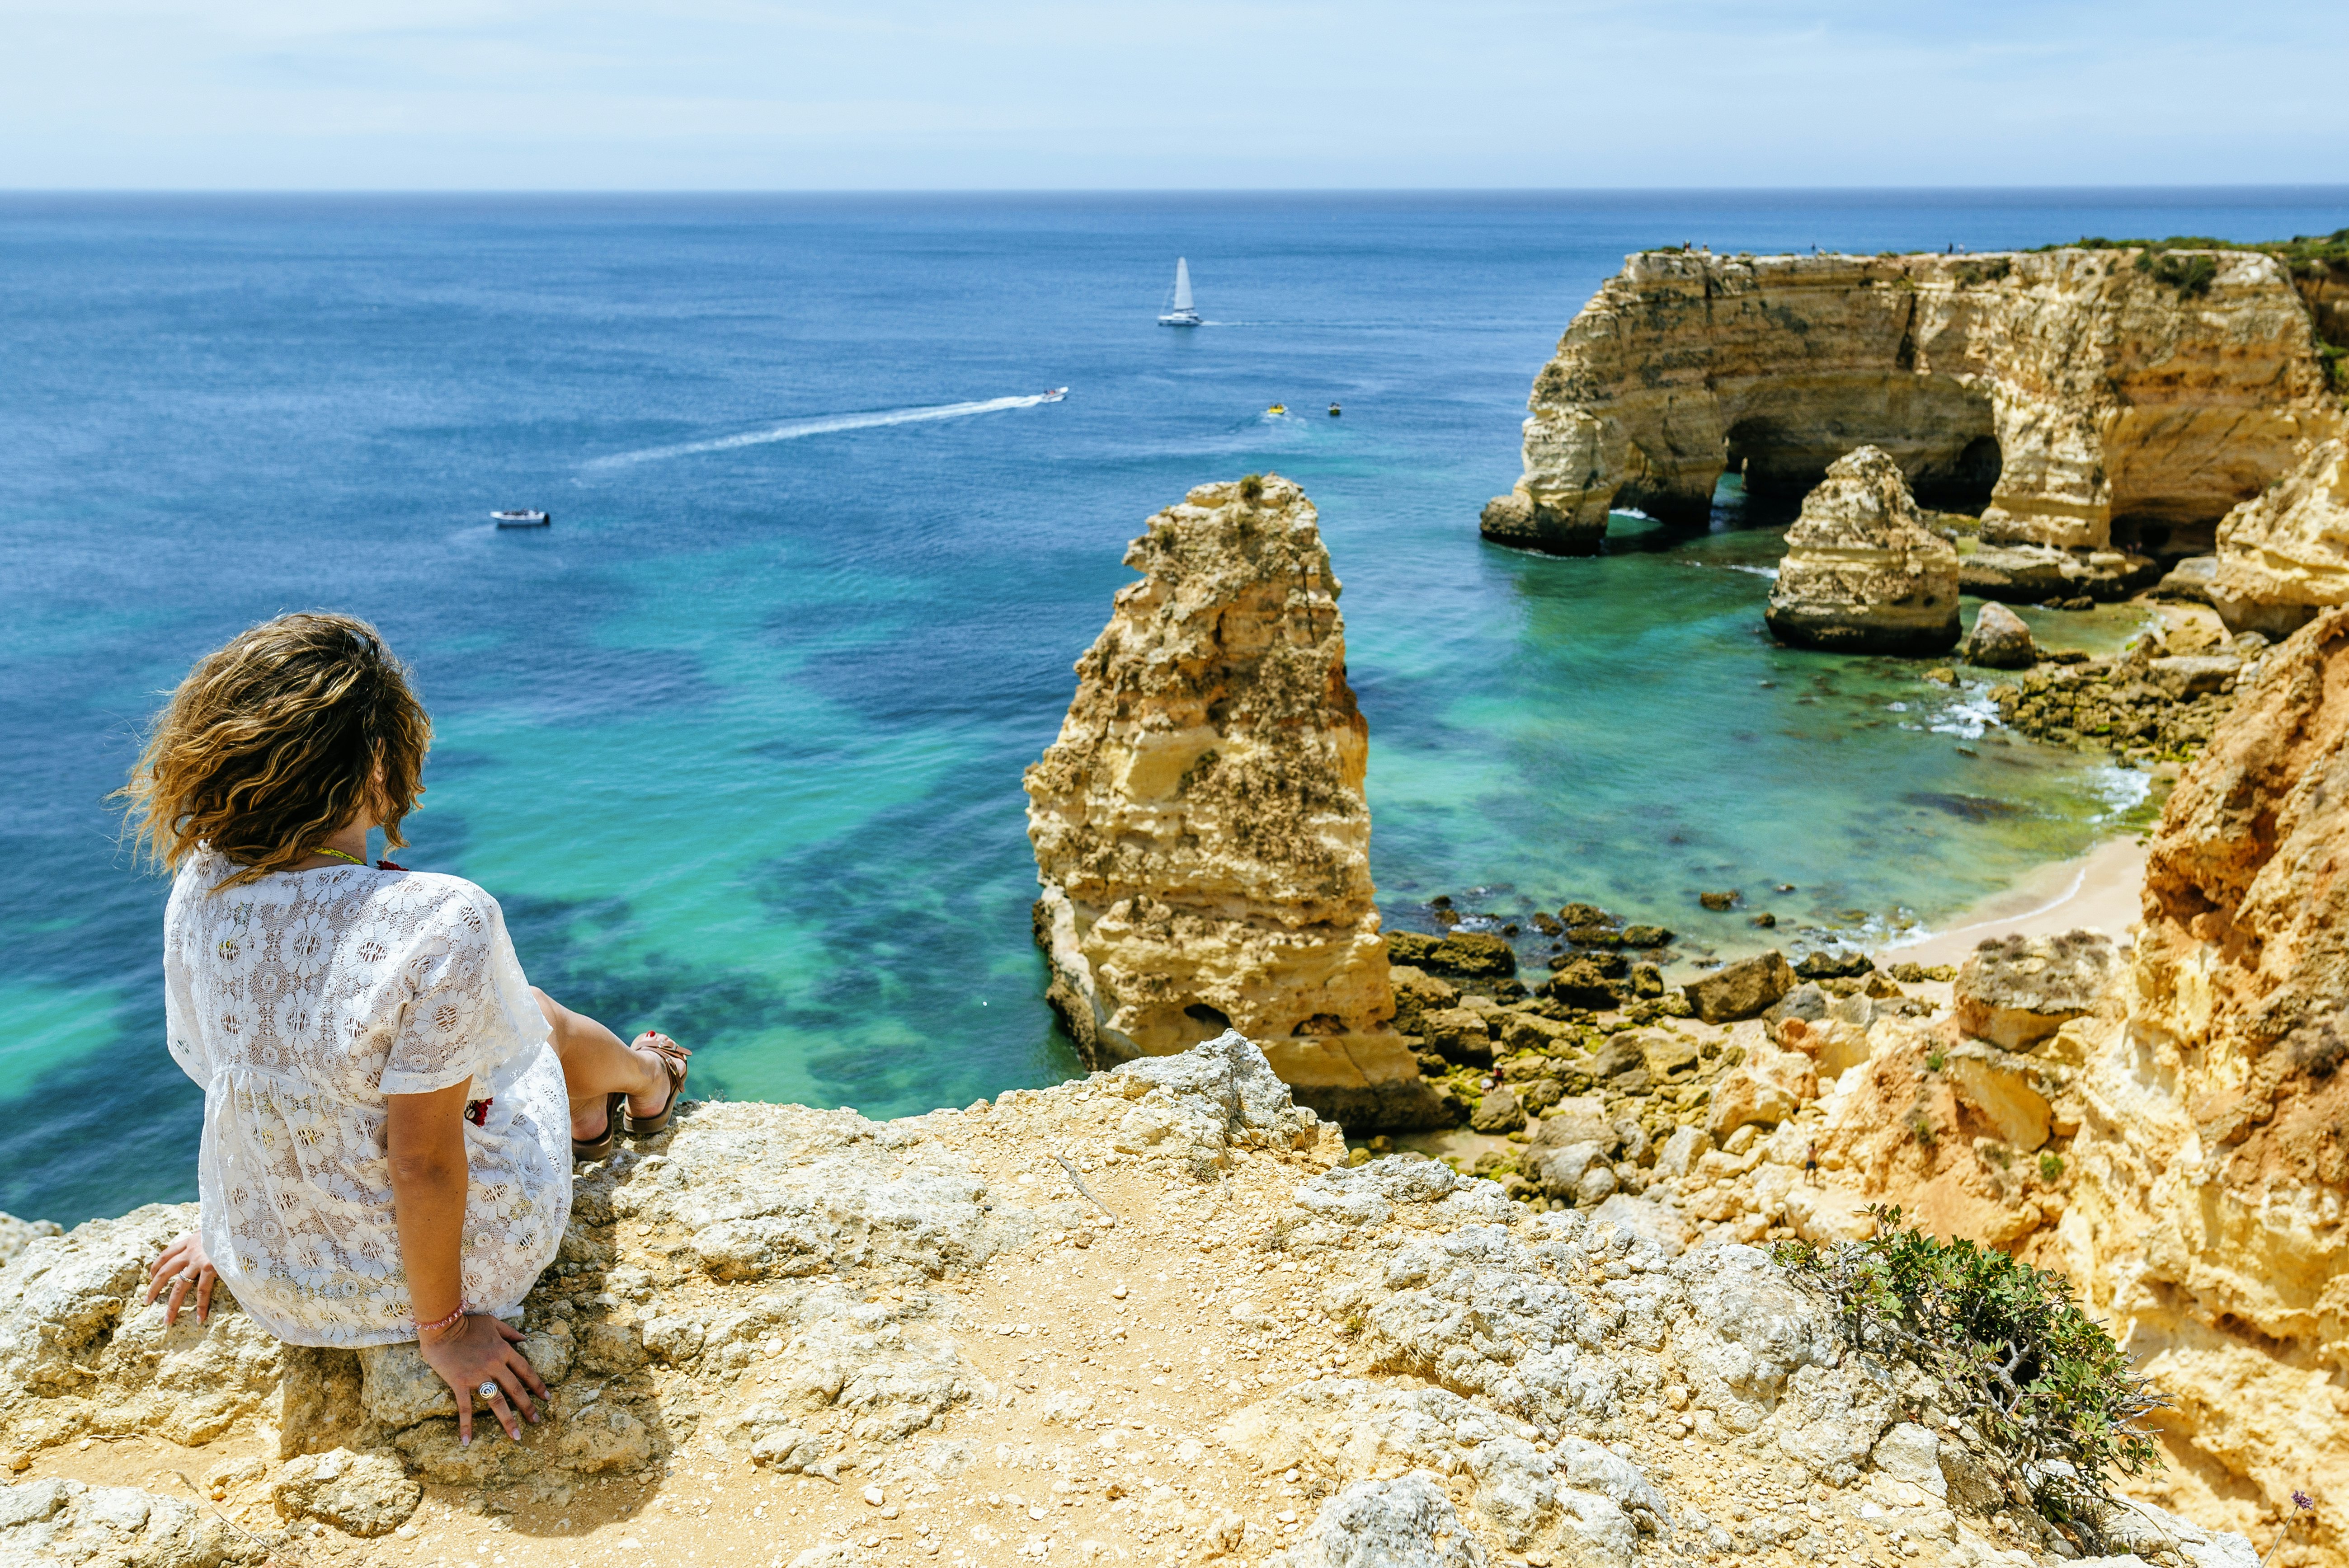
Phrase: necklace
(330, 849)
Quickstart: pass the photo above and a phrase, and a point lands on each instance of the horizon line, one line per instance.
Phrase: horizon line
(2339, 188)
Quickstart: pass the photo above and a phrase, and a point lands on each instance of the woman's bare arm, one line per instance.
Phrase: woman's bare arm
(424, 1137)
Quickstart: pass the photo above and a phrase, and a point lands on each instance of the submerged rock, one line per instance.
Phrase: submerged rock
(1467, 954)
(1862, 573)
(1200, 831)
(1999, 641)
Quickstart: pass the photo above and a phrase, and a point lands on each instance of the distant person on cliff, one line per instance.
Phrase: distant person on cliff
(385, 1095)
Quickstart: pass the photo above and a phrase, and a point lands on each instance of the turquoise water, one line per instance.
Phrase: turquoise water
(737, 742)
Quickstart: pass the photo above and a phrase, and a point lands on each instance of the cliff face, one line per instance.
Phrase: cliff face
(2214, 1163)
(1862, 574)
(2284, 554)
(2170, 1130)
(1200, 829)
(2090, 391)
(1139, 1317)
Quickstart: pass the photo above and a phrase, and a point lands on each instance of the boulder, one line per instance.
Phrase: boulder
(1805, 1002)
(1406, 1523)
(2189, 581)
(2181, 677)
(1834, 964)
(1202, 840)
(1765, 1089)
(1581, 983)
(1497, 1112)
(2017, 991)
(359, 1494)
(1578, 1118)
(2003, 1088)
(1862, 574)
(1681, 1149)
(1999, 641)
(1741, 990)
(1561, 1170)
(1458, 1035)
(1417, 993)
(1667, 1055)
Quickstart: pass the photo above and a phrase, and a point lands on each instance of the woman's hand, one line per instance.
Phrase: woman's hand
(183, 1267)
(476, 1349)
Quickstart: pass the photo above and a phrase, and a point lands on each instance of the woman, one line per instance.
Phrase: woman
(385, 1095)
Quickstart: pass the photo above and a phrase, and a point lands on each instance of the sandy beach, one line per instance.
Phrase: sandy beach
(2100, 890)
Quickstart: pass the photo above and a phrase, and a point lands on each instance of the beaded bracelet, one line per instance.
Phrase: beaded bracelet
(424, 1328)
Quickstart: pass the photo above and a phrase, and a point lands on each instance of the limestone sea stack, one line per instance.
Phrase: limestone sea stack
(1862, 573)
(2068, 389)
(1200, 828)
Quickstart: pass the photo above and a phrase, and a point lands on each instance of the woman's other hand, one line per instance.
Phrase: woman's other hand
(183, 1267)
(476, 1349)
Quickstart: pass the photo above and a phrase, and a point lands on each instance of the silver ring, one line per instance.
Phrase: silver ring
(489, 1391)
(190, 1279)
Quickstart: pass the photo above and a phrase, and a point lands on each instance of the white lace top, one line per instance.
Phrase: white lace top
(299, 1002)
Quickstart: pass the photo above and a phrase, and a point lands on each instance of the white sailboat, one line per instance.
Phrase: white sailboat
(1182, 315)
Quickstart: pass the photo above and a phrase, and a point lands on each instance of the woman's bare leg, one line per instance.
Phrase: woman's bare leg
(597, 1063)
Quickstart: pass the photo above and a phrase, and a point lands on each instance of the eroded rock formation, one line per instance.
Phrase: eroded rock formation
(1200, 829)
(2283, 555)
(2212, 1163)
(1144, 1317)
(2165, 1131)
(1862, 573)
(2072, 389)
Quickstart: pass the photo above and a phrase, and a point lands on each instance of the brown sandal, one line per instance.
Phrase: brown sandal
(589, 1150)
(672, 1055)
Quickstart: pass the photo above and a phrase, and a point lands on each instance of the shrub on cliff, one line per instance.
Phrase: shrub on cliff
(2043, 1383)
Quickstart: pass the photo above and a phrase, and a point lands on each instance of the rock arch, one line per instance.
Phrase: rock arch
(2096, 389)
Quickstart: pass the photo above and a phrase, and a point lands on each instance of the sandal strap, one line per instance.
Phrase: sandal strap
(673, 1059)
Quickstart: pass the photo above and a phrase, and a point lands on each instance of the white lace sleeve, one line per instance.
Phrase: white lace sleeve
(184, 1041)
(468, 1012)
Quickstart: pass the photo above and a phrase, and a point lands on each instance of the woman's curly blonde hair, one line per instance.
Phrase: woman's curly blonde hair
(273, 743)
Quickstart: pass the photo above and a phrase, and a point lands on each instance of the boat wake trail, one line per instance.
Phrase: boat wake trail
(798, 429)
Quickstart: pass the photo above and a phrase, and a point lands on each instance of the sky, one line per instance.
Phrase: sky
(1211, 94)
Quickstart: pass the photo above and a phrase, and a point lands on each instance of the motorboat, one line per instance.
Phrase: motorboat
(1278, 408)
(1180, 312)
(522, 518)
(1052, 395)
(1334, 410)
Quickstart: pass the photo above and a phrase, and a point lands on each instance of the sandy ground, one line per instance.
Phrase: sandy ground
(2100, 892)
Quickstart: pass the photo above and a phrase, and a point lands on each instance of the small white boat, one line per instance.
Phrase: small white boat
(522, 518)
(1055, 395)
(1181, 313)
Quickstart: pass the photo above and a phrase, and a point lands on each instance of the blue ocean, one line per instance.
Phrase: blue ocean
(738, 741)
